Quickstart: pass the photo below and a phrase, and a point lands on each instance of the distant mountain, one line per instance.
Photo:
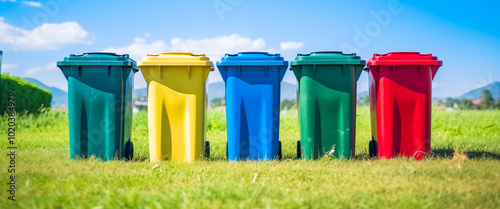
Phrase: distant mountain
(288, 91)
(362, 94)
(138, 93)
(215, 90)
(59, 96)
(218, 90)
(494, 88)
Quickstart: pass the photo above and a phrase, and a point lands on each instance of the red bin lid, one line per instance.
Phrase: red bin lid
(404, 58)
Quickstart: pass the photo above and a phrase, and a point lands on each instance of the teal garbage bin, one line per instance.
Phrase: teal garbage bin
(100, 104)
(1, 54)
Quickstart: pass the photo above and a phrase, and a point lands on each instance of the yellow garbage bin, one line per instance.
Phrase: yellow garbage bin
(176, 105)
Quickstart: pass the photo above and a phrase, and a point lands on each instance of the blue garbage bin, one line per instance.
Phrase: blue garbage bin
(253, 104)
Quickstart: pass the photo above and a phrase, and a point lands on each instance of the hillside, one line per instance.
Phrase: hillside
(288, 91)
(217, 90)
(494, 88)
(59, 96)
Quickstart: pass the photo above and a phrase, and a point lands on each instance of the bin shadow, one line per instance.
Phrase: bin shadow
(446, 153)
(141, 158)
(477, 154)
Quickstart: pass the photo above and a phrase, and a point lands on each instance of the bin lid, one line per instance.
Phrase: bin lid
(175, 59)
(98, 58)
(253, 59)
(327, 58)
(404, 58)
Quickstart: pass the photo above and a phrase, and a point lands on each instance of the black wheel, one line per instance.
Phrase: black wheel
(129, 150)
(299, 150)
(280, 153)
(373, 149)
(207, 150)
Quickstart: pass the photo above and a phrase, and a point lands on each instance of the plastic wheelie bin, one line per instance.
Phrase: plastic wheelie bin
(100, 104)
(1, 53)
(327, 103)
(400, 103)
(176, 105)
(253, 82)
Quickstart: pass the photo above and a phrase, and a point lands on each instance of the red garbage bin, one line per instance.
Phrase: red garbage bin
(400, 103)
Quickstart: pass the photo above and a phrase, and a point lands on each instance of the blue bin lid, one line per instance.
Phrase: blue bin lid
(253, 59)
(98, 59)
(327, 58)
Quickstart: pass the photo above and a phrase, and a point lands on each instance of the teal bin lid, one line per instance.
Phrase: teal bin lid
(252, 59)
(327, 58)
(98, 59)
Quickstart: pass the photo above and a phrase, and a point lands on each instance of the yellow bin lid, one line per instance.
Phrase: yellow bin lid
(175, 59)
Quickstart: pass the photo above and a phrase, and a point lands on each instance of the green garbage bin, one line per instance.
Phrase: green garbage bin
(327, 103)
(100, 104)
(1, 53)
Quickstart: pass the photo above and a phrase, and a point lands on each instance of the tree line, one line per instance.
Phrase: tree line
(486, 102)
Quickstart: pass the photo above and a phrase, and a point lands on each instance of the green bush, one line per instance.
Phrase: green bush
(29, 97)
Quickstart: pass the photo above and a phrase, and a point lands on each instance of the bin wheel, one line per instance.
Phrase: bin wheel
(280, 153)
(372, 151)
(299, 150)
(207, 150)
(129, 150)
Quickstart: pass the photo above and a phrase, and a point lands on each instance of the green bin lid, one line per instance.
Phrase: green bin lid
(98, 59)
(327, 58)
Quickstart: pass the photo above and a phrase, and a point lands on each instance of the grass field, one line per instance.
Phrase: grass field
(464, 171)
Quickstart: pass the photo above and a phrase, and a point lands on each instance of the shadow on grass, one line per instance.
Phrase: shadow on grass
(449, 153)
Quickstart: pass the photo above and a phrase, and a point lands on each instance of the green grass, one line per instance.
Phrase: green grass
(462, 173)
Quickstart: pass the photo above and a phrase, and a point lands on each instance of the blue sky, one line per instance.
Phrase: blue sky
(465, 35)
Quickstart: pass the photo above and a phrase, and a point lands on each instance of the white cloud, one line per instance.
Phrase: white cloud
(140, 48)
(217, 47)
(8, 66)
(32, 71)
(47, 68)
(29, 3)
(291, 45)
(32, 3)
(49, 36)
(51, 67)
(436, 85)
(214, 48)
